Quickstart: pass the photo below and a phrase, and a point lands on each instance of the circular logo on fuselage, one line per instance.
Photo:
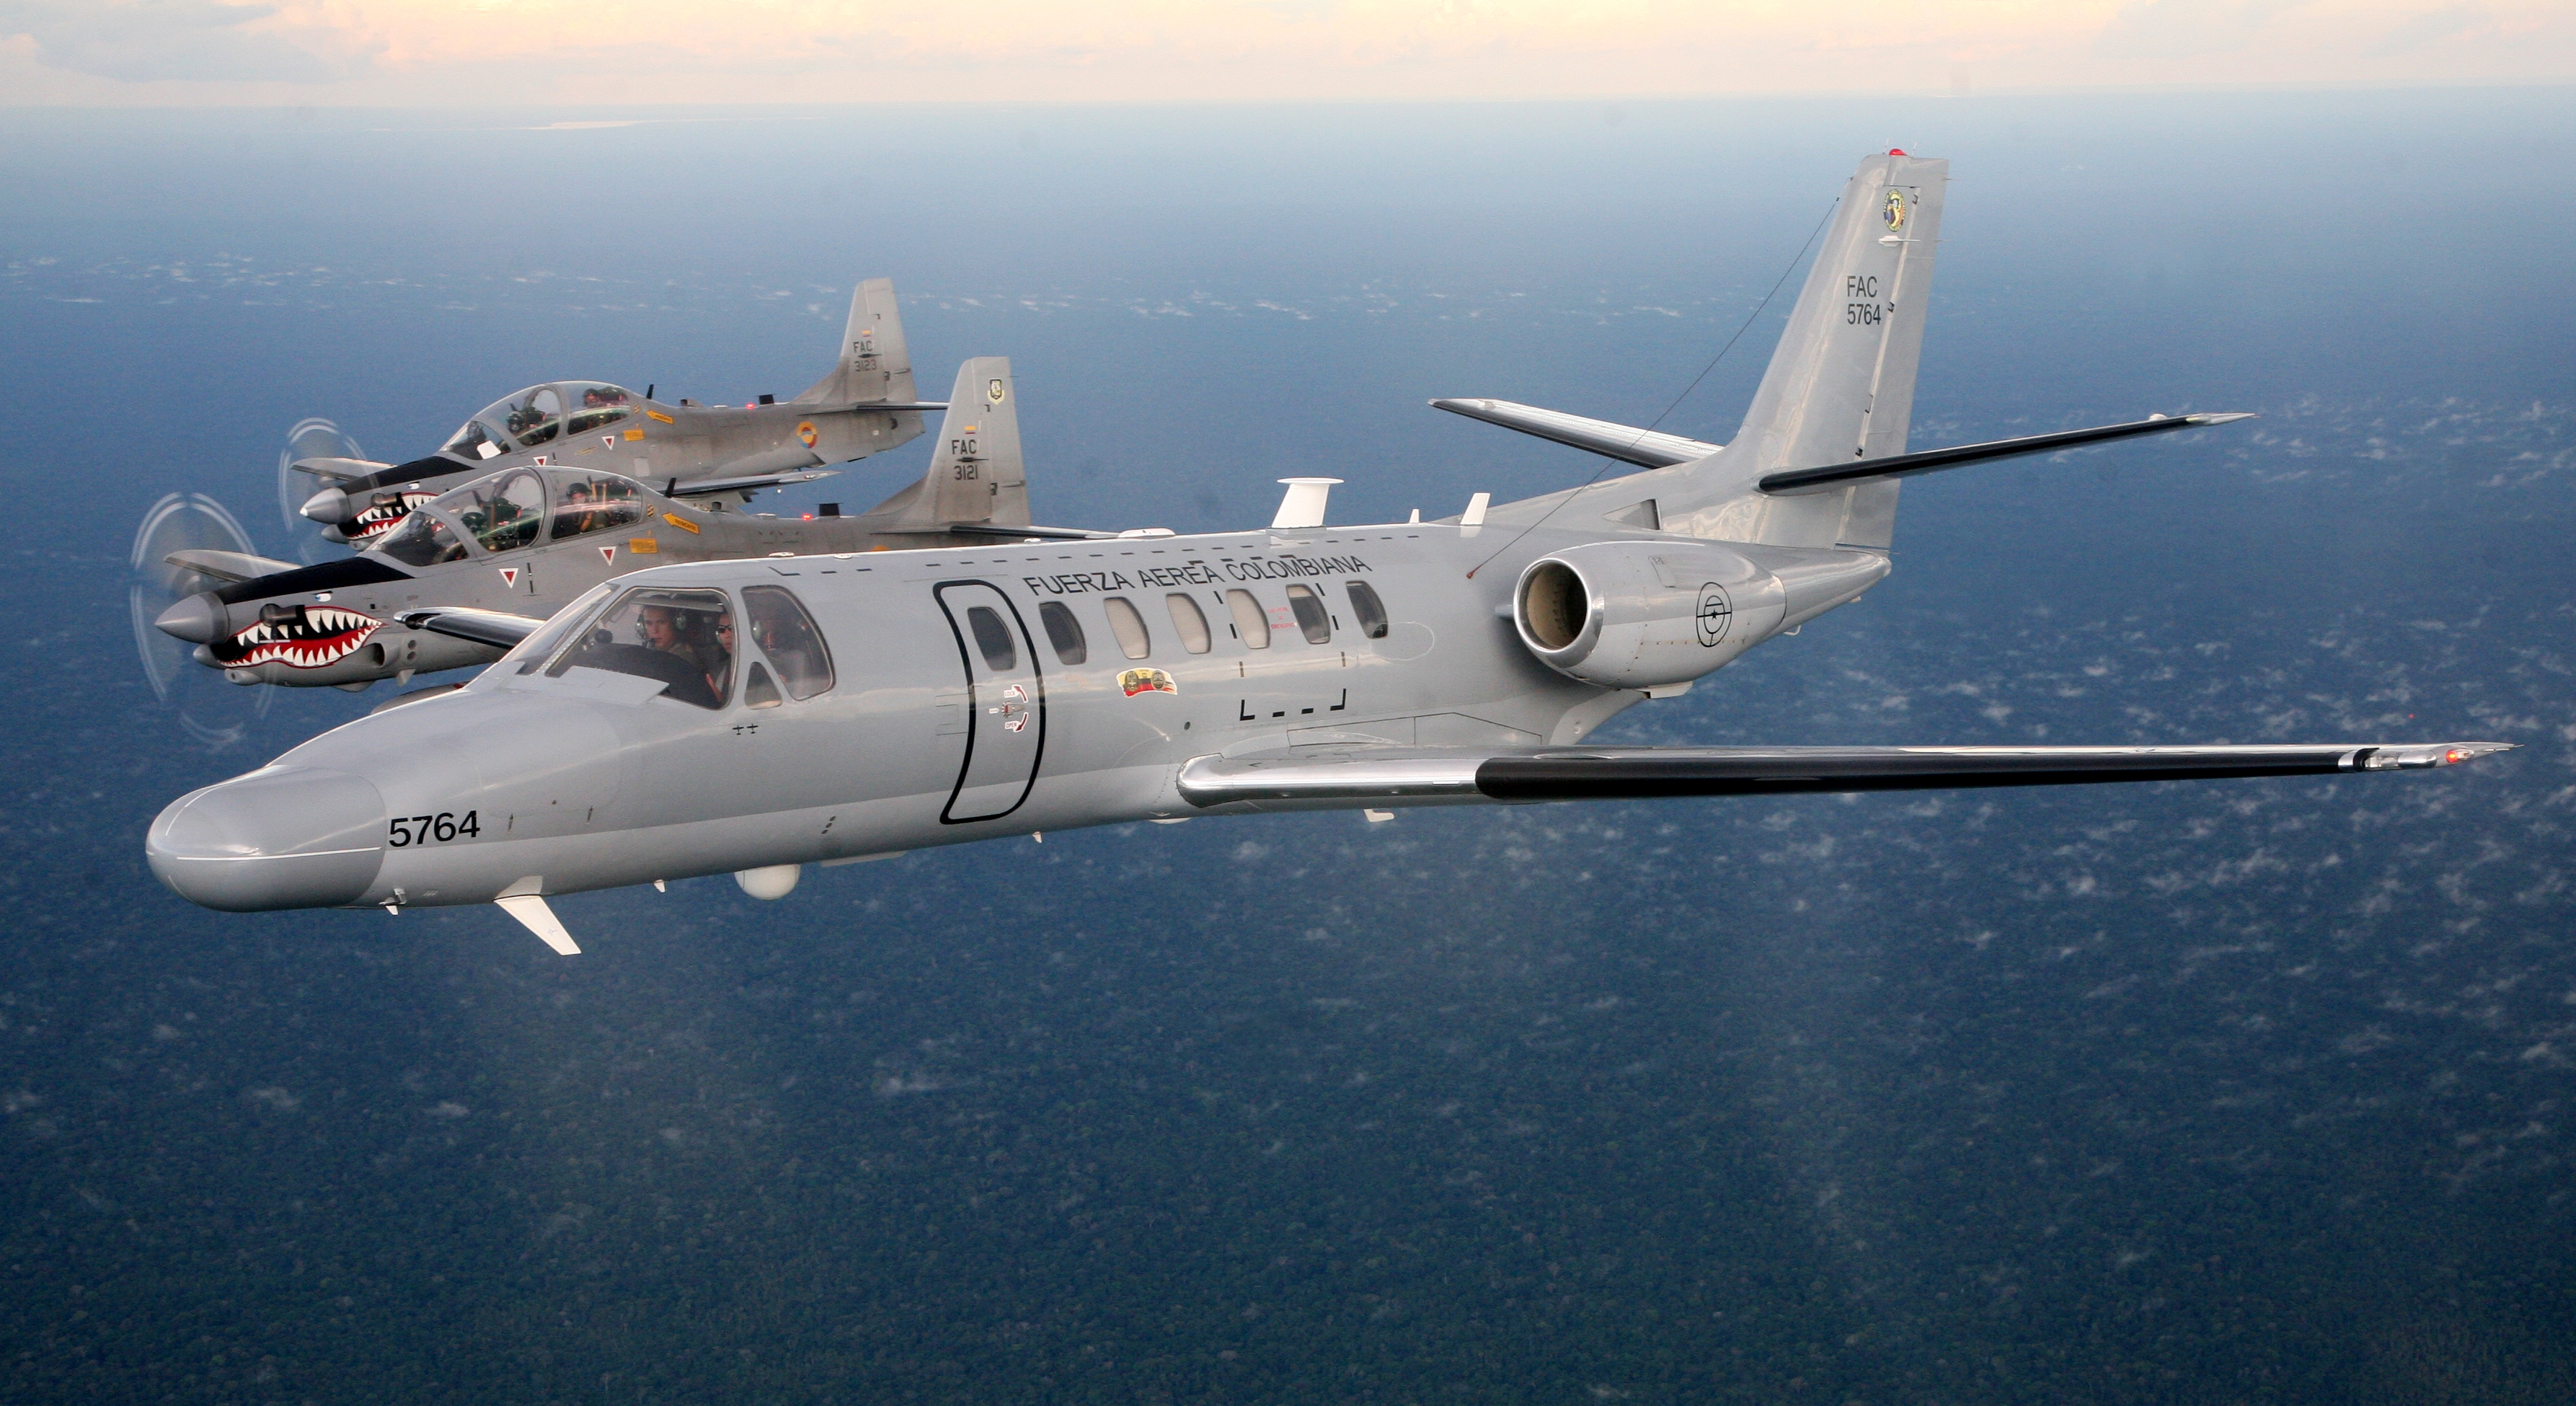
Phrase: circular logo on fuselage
(1715, 613)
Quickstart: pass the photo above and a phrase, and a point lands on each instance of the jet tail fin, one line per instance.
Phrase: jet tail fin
(1840, 387)
(976, 474)
(875, 365)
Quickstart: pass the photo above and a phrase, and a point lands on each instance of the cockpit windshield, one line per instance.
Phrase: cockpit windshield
(477, 441)
(423, 540)
(594, 404)
(532, 417)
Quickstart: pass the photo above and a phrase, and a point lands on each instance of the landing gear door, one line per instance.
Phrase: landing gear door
(1005, 703)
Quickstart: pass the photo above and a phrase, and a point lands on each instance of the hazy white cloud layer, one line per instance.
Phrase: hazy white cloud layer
(656, 51)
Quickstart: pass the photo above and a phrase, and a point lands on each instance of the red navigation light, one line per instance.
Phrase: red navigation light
(1896, 151)
(809, 517)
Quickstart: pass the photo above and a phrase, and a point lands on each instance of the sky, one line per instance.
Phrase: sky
(108, 53)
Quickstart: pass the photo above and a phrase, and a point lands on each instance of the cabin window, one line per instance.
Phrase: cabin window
(424, 539)
(1129, 627)
(1064, 632)
(1370, 610)
(1249, 621)
(1312, 619)
(786, 633)
(992, 639)
(666, 635)
(1190, 621)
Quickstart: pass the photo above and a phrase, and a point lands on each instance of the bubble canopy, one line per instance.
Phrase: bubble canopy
(538, 415)
(504, 512)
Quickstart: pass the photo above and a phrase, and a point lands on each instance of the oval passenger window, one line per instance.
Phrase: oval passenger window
(1192, 624)
(1128, 626)
(1312, 620)
(992, 639)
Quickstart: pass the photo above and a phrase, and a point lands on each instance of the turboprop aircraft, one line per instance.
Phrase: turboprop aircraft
(486, 559)
(863, 406)
(891, 702)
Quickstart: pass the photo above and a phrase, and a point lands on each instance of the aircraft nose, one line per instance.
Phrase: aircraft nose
(197, 619)
(280, 837)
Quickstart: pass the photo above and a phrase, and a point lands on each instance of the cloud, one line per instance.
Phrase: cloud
(149, 41)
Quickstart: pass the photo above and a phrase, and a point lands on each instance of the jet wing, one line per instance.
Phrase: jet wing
(228, 566)
(1645, 448)
(497, 628)
(1329, 777)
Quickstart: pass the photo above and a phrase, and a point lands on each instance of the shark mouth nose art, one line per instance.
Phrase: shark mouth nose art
(302, 637)
(381, 515)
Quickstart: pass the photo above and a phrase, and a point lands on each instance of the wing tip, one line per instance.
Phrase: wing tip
(2430, 754)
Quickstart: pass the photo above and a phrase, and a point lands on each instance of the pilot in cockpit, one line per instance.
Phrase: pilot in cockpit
(686, 634)
(721, 666)
(576, 517)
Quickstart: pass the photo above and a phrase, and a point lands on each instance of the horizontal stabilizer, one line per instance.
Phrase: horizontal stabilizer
(1613, 773)
(705, 487)
(497, 628)
(228, 566)
(1626, 443)
(1900, 465)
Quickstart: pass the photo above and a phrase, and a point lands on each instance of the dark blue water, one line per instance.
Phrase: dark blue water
(2235, 1092)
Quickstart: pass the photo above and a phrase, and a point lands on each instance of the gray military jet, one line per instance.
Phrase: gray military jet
(488, 558)
(863, 406)
(892, 702)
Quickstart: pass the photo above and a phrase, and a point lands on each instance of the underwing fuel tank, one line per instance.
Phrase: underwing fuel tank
(1635, 615)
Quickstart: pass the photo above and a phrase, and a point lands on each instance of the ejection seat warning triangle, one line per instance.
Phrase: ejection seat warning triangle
(509, 576)
(608, 554)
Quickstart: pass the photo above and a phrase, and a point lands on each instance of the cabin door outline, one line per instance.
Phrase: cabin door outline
(1008, 757)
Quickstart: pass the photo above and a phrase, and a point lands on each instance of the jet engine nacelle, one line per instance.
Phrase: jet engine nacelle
(1654, 614)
